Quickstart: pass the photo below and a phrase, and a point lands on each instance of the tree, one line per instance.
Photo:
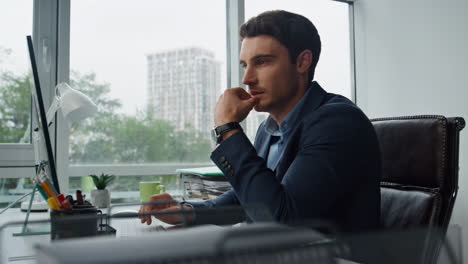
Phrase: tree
(86, 142)
(108, 137)
(15, 110)
(99, 93)
(131, 139)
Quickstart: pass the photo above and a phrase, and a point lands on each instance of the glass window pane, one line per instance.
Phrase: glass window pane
(12, 189)
(125, 189)
(15, 89)
(332, 22)
(155, 71)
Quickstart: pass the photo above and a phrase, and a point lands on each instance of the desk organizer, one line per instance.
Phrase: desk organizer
(80, 221)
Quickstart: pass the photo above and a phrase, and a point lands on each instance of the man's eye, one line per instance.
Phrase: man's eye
(261, 62)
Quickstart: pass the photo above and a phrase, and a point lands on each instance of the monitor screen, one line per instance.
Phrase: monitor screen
(42, 124)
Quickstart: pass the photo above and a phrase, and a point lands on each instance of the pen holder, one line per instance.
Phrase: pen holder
(80, 221)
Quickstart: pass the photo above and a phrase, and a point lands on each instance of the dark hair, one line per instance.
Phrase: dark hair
(293, 31)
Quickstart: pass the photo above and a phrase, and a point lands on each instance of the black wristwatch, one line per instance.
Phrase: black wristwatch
(218, 132)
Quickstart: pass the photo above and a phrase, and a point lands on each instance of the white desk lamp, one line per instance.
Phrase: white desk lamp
(75, 106)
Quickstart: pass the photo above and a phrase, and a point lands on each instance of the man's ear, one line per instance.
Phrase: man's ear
(303, 61)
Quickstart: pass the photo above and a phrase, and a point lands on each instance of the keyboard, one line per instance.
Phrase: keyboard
(131, 227)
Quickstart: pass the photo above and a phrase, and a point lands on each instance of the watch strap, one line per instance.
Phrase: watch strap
(221, 130)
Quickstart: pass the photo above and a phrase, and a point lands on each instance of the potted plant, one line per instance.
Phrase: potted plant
(101, 196)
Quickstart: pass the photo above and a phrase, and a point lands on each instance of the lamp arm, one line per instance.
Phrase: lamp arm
(37, 161)
(15, 202)
(52, 110)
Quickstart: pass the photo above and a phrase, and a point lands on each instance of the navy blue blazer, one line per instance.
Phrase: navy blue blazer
(330, 168)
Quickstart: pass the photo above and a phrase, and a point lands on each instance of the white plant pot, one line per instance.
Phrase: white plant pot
(100, 198)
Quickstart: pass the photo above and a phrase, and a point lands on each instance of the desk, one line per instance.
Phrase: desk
(20, 249)
(202, 239)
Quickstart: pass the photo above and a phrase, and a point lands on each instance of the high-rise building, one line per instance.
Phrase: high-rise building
(183, 87)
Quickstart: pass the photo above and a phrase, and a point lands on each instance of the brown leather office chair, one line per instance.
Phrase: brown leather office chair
(419, 176)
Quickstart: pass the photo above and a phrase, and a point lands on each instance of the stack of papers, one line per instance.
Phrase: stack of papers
(204, 183)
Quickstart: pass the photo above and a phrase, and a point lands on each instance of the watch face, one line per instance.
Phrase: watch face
(213, 135)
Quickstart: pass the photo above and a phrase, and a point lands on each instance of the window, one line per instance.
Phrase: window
(332, 22)
(16, 152)
(331, 19)
(155, 70)
(15, 89)
(15, 99)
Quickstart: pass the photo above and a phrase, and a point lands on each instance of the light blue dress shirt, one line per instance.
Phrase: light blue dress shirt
(280, 134)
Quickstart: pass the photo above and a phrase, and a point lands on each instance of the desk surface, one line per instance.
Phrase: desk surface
(20, 249)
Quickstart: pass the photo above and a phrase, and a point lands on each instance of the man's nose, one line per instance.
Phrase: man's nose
(249, 77)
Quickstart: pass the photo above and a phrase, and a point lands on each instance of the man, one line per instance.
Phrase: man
(316, 157)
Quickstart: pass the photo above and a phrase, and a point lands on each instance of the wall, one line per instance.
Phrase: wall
(412, 58)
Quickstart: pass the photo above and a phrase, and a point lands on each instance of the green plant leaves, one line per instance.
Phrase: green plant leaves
(102, 181)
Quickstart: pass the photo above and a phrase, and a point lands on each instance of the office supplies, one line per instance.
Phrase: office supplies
(43, 178)
(64, 203)
(61, 198)
(77, 222)
(70, 199)
(53, 203)
(79, 197)
(39, 188)
(46, 189)
(204, 183)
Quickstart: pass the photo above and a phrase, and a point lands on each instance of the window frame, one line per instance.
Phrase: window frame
(64, 169)
(51, 28)
(17, 159)
(352, 49)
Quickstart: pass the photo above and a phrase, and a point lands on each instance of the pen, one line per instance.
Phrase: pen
(79, 197)
(41, 191)
(64, 203)
(53, 203)
(70, 199)
(46, 189)
(39, 188)
(52, 188)
(51, 195)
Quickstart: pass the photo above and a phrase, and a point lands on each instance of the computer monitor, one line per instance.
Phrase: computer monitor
(42, 124)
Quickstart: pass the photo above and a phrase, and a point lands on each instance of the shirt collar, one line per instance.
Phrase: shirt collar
(272, 128)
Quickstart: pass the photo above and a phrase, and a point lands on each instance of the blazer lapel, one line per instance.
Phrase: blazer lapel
(313, 100)
(262, 145)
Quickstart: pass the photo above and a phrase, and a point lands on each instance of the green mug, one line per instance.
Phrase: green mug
(149, 188)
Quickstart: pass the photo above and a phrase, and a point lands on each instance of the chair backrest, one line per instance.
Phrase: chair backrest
(419, 175)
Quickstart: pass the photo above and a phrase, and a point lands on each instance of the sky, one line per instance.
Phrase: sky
(113, 37)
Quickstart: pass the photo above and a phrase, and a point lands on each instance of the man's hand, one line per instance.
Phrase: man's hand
(233, 106)
(169, 211)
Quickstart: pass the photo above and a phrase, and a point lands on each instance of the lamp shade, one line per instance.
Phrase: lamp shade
(75, 105)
